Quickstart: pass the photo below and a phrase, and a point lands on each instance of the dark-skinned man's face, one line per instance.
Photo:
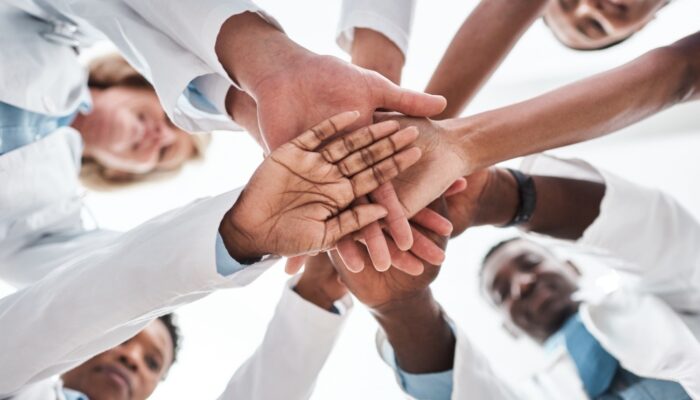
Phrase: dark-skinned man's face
(594, 24)
(130, 371)
(531, 287)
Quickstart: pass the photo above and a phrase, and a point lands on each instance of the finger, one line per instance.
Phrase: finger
(395, 221)
(377, 246)
(312, 138)
(409, 102)
(368, 156)
(352, 254)
(370, 179)
(350, 221)
(346, 144)
(294, 264)
(433, 221)
(457, 186)
(426, 249)
(404, 260)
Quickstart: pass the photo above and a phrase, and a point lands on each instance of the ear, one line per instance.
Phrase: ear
(512, 330)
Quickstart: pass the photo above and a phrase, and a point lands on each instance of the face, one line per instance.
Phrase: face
(130, 371)
(593, 24)
(531, 287)
(128, 131)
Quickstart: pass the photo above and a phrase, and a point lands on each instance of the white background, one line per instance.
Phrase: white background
(222, 330)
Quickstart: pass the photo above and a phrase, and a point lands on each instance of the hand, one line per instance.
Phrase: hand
(463, 207)
(441, 165)
(381, 289)
(296, 201)
(319, 283)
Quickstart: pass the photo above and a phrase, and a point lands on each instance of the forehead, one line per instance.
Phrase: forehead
(157, 335)
(506, 257)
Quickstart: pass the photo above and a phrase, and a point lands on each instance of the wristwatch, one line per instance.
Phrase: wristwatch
(527, 198)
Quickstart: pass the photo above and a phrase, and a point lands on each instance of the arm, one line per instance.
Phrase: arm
(376, 34)
(149, 272)
(480, 45)
(586, 109)
(583, 110)
(599, 210)
(298, 340)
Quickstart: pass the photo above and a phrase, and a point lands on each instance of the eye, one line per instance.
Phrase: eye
(141, 116)
(529, 262)
(568, 5)
(152, 364)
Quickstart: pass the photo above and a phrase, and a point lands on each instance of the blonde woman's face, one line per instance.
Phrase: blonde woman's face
(128, 132)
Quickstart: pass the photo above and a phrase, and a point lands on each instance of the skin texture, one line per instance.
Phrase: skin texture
(127, 131)
(577, 112)
(295, 89)
(130, 371)
(594, 24)
(297, 200)
(530, 287)
(406, 310)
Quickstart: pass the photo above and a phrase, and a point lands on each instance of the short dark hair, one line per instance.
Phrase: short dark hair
(170, 323)
(494, 249)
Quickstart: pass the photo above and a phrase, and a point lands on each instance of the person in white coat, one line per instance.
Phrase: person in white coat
(229, 241)
(186, 50)
(631, 337)
(309, 316)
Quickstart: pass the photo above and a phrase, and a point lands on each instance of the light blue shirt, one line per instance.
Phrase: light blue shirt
(71, 394)
(432, 386)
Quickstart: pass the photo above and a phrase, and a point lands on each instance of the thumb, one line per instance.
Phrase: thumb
(409, 102)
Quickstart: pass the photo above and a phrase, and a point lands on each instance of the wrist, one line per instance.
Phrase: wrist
(374, 51)
(314, 293)
(499, 201)
(252, 50)
(239, 243)
(403, 312)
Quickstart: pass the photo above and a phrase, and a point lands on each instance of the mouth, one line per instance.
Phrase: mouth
(118, 375)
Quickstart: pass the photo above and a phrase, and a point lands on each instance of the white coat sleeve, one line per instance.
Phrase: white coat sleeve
(297, 343)
(647, 230)
(392, 18)
(472, 375)
(101, 298)
(170, 43)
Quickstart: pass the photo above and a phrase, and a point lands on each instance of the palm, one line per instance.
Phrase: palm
(314, 192)
(296, 201)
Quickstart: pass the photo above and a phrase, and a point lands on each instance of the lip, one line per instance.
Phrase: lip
(118, 375)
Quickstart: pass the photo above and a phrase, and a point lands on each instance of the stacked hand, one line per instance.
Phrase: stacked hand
(297, 201)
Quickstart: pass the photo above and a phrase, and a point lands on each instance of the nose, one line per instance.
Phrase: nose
(522, 285)
(129, 355)
(589, 9)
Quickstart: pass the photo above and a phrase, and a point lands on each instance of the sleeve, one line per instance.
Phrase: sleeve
(108, 293)
(471, 378)
(169, 43)
(433, 386)
(297, 343)
(646, 231)
(392, 18)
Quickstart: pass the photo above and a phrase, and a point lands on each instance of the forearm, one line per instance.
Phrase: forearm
(583, 110)
(422, 340)
(374, 51)
(482, 42)
(564, 207)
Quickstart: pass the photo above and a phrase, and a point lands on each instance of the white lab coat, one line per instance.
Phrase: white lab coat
(392, 18)
(650, 322)
(170, 43)
(298, 341)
